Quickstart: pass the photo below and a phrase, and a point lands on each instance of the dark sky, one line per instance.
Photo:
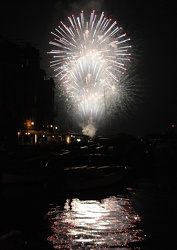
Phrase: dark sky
(152, 27)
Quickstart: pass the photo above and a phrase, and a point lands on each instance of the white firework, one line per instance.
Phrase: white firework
(89, 61)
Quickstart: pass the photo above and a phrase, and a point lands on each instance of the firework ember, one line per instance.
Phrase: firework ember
(90, 60)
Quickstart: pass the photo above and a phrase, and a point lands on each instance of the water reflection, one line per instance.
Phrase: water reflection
(91, 224)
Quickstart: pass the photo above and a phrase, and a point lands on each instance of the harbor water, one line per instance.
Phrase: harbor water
(139, 213)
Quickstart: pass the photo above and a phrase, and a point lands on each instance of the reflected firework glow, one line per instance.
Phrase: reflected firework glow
(90, 60)
(92, 224)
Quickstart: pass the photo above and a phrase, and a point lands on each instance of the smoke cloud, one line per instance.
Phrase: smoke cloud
(89, 130)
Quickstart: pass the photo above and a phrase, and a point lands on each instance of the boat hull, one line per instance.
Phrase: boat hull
(93, 177)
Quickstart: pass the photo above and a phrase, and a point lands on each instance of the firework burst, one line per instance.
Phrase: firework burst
(90, 60)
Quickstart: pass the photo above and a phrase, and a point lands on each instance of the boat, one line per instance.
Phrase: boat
(27, 171)
(87, 177)
(60, 171)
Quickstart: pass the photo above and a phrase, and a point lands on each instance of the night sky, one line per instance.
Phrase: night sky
(152, 29)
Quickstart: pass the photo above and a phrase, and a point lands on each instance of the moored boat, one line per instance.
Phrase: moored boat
(86, 177)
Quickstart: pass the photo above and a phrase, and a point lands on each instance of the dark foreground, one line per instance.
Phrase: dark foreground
(150, 185)
(24, 209)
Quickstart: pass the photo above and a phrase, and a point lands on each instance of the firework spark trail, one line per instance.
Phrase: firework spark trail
(89, 59)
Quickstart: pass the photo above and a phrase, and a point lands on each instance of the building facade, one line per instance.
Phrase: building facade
(26, 94)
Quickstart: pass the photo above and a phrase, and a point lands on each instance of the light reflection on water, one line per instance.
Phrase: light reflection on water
(91, 224)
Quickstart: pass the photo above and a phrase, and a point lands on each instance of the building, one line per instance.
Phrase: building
(26, 94)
